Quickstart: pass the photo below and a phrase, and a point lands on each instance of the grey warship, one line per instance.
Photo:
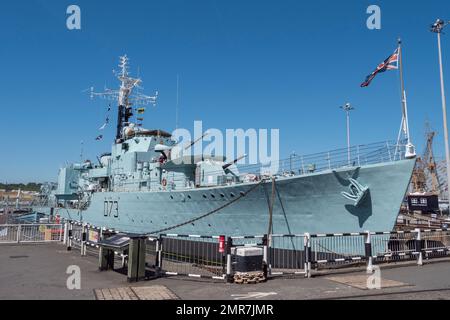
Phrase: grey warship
(144, 186)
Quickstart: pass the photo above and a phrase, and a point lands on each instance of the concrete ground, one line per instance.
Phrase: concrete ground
(39, 272)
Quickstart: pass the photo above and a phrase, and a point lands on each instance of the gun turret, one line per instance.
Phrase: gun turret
(229, 164)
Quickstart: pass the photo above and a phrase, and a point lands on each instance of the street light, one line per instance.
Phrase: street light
(347, 108)
(437, 28)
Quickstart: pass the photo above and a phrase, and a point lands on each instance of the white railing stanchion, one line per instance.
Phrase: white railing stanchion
(419, 247)
(368, 252)
(307, 249)
(19, 231)
(66, 232)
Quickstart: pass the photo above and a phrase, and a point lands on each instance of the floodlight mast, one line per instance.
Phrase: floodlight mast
(437, 28)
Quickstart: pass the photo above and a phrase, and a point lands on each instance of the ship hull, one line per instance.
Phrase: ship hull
(309, 203)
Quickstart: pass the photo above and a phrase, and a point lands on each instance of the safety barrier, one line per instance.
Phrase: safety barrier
(337, 249)
(85, 237)
(215, 257)
(191, 255)
(31, 233)
(394, 246)
(287, 255)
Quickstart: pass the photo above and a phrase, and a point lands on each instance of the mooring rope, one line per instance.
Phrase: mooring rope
(211, 212)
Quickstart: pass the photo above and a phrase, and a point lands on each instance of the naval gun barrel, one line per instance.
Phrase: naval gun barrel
(229, 164)
(194, 142)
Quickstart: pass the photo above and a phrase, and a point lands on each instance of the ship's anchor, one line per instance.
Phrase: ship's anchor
(357, 193)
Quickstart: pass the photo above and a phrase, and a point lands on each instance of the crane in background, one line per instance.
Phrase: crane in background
(426, 165)
(426, 187)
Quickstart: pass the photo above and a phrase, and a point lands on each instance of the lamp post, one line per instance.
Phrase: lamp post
(347, 108)
(437, 28)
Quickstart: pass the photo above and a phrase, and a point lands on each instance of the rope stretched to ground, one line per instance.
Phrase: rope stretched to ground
(211, 212)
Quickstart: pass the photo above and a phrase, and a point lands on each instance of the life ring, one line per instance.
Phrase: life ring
(164, 182)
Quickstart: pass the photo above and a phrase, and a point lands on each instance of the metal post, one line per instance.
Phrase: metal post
(66, 233)
(437, 28)
(70, 235)
(348, 136)
(266, 266)
(83, 239)
(307, 252)
(159, 248)
(368, 251)
(357, 152)
(329, 161)
(136, 258)
(419, 247)
(60, 233)
(410, 151)
(19, 231)
(229, 269)
(347, 108)
(388, 150)
(290, 161)
(303, 165)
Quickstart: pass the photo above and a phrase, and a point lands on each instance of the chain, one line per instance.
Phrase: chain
(211, 212)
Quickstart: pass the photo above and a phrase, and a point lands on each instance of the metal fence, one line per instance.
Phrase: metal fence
(31, 233)
(84, 238)
(215, 257)
(394, 246)
(287, 254)
(338, 249)
(191, 255)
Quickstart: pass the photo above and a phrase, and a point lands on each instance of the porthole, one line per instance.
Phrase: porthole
(189, 196)
(171, 197)
(222, 195)
(242, 193)
(212, 195)
(204, 196)
(232, 195)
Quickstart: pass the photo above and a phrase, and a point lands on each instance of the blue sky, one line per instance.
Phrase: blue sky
(242, 64)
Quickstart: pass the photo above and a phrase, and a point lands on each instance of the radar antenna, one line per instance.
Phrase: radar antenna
(125, 96)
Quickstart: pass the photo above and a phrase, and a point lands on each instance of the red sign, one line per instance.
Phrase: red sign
(222, 244)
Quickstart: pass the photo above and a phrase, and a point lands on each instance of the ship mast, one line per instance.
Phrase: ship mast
(410, 149)
(125, 96)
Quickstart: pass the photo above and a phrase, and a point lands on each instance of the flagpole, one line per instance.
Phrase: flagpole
(410, 150)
